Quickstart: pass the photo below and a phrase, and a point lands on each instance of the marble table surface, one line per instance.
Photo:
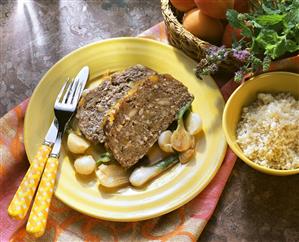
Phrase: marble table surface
(36, 34)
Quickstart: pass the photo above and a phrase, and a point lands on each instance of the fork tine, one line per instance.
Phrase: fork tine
(62, 90)
(73, 91)
(67, 91)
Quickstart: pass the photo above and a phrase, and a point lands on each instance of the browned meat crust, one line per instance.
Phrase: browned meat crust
(95, 104)
(135, 123)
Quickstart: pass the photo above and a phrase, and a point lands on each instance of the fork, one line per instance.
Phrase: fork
(63, 109)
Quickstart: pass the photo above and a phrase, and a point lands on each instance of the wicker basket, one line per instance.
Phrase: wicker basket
(194, 47)
(178, 36)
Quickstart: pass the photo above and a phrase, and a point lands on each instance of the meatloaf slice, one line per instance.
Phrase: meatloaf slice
(95, 103)
(135, 123)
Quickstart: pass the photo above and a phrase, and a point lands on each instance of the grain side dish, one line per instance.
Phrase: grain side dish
(268, 131)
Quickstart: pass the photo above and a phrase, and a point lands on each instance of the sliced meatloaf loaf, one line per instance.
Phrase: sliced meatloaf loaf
(95, 103)
(136, 121)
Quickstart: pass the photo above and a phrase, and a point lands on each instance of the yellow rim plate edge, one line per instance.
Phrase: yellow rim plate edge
(191, 193)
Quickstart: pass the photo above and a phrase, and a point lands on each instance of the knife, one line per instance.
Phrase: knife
(21, 201)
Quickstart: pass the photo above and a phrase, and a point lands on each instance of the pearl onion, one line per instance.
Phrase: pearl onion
(85, 165)
(164, 141)
(77, 144)
(193, 123)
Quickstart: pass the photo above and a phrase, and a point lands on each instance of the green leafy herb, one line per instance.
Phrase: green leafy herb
(275, 28)
(272, 19)
(269, 32)
(104, 158)
(164, 164)
(237, 21)
(183, 110)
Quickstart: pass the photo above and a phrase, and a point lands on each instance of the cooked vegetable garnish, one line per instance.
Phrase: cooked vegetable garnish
(85, 165)
(104, 158)
(186, 156)
(112, 175)
(77, 144)
(193, 123)
(164, 141)
(155, 154)
(181, 139)
(183, 110)
(143, 174)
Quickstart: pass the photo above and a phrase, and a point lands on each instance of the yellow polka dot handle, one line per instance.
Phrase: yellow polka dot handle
(37, 221)
(21, 201)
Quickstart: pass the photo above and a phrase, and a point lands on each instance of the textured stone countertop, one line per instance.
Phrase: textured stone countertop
(36, 34)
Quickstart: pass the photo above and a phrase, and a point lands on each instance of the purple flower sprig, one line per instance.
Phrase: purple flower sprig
(241, 55)
(210, 64)
(237, 60)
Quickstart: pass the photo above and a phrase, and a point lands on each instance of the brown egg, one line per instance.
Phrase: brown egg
(203, 26)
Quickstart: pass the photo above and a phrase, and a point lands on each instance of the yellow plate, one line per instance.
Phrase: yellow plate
(166, 193)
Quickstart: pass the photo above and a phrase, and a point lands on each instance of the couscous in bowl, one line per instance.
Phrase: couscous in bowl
(246, 94)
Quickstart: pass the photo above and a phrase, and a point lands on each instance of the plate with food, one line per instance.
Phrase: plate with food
(146, 137)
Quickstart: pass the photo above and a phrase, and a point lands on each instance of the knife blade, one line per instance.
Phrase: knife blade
(52, 133)
(82, 77)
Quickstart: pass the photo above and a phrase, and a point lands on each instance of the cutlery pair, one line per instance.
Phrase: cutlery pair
(45, 163)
